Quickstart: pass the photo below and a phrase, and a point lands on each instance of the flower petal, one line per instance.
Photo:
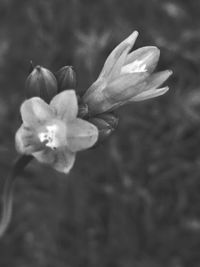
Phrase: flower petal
(120, 88)
(156, 79)
(35, 112)
(117, 57)
(61, 159)
(65, 105)
(150, 84)
(150, 94)
(81, 135)
(146, 57)
(26, 141)
(116, 92)
(94, 92)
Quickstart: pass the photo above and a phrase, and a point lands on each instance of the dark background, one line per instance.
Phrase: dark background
(133, 201)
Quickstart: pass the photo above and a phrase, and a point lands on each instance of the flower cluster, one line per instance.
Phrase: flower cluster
(57, 123)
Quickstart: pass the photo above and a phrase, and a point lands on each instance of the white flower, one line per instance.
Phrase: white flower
(53, 133)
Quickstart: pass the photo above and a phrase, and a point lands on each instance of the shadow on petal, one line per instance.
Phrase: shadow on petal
(26, 141)
(60, 159)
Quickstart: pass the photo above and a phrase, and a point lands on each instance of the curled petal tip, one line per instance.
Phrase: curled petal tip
(135, 33)
(42, 83)
(161, 91)
(155, 51)
(155, 48)
(170, 72)
(166, 74)
(152, 93)
(166, 88)
(132, 38)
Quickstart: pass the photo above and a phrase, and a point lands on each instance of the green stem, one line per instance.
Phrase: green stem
(7, 197)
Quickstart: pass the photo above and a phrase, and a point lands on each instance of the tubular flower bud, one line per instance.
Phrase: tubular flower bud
(53, 133)
(66, 78)
(126, 77)
(42, 83)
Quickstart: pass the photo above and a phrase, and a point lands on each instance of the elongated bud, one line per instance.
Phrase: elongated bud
(66, 78)
(42, 83)
(104, 128)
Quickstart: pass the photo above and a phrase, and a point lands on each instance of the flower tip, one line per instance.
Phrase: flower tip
(38, 68)
(155, 55)
(135, 33)
(168, 73)
(164, 75)
(152, 52)
(132, 38)
(41, 83)
(155, 50)
(66, 170)
(163, 90)
(66, 78)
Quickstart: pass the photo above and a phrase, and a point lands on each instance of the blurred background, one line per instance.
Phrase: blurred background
(134, 200)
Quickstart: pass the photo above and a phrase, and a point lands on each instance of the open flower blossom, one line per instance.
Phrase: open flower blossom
(126, 77)
(53, 133)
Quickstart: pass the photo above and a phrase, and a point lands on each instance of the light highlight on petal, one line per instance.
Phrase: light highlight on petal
(35, 112)
(65, 105)
(150, 94)
(149, 55)
(135, 66)
(81, 135)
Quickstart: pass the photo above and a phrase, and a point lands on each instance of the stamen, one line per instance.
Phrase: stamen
(49, 137)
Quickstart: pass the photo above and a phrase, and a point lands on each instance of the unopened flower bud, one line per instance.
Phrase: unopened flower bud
(66, 78)
(103, 127)
(42, 83)
(110, 118)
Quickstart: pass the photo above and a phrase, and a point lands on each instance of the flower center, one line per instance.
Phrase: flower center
(49, 137)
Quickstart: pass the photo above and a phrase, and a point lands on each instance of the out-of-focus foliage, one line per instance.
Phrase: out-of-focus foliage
(135, 200)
